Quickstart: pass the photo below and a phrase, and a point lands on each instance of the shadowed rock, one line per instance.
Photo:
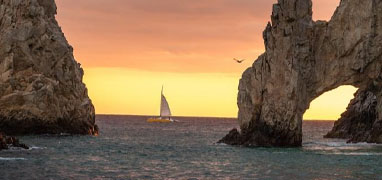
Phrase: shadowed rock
(7, 141)
(41, 89)
(357, 122)
(305, 59)
(232, 138)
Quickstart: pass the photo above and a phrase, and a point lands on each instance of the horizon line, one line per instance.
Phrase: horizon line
(188, 116)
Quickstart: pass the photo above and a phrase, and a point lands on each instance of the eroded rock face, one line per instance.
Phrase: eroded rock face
(41, 89)
(357, 122)
(304, 59)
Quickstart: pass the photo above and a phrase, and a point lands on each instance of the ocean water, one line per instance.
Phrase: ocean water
(130, 148)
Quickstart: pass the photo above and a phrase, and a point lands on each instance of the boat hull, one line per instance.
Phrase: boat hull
(158, 120)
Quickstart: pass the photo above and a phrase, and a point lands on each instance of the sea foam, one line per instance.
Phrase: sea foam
(11, 159)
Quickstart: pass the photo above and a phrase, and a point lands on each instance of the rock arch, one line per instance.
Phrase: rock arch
(304, 59)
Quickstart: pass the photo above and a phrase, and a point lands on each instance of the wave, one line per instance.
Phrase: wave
(356, 153)
(35, 147)
(11, 159)
(328, 144)
(220, 144)
(11, 148)
(340, 144)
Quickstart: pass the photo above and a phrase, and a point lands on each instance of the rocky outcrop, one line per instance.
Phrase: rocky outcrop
(357, 122)
(41, 89)
(7, 141)
(233, 138)
(305, 59)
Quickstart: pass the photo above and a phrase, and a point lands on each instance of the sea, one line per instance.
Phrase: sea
(130, 148)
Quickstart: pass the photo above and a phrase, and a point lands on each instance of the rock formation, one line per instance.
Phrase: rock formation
(357, 122)
(7, 141)
(305, 59)
(41, 89)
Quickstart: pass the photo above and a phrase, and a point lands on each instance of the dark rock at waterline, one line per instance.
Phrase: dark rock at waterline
(250, 138)
(232, 138)
(8, 141)
(37, 126)
(359, 122)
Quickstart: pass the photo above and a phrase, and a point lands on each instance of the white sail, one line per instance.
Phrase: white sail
(164, 107)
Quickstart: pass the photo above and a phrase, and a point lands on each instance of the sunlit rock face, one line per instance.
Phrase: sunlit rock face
(305, 59)
(41, 89)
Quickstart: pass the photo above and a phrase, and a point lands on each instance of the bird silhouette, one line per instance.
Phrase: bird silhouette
(238, 60)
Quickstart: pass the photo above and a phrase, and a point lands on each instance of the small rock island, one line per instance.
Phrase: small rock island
(41, 88)
(7, 141)
(304, 59)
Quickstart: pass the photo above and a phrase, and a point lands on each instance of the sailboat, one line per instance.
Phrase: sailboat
(165, 112)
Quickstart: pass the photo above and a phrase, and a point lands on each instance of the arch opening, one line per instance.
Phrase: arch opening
(324, 9)
(325, 110)
(330, 105)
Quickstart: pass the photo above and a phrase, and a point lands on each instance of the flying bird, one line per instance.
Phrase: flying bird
(238, 61)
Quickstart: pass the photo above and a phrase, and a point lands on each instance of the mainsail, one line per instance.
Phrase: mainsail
(164, 107)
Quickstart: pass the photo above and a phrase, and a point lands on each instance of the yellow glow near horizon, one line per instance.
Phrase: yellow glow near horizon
(126, 91)
(330, 105)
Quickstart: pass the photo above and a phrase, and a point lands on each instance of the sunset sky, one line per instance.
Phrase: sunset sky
(129, 48)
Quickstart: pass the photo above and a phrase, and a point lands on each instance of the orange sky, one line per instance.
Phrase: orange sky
(129, 48)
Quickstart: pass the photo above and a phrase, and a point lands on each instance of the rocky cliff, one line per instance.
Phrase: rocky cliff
(303, 60)
(41, 89)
